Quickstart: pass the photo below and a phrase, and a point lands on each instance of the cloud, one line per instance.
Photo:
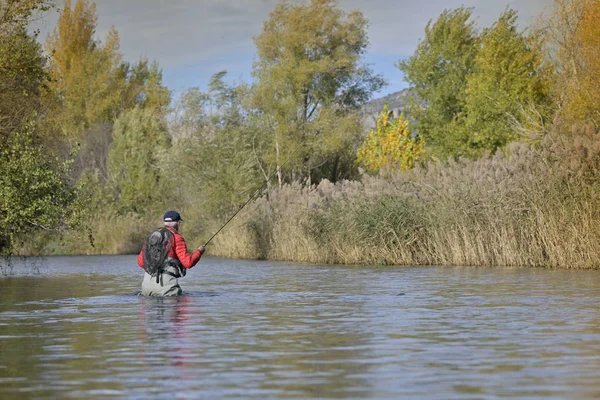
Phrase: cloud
(397, 29)
(192, 35)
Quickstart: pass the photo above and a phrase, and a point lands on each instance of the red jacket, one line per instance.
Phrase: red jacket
(178, 251)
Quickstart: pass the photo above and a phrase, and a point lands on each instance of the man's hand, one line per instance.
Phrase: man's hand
(202, 249)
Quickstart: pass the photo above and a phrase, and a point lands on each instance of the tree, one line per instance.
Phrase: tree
(571, 43)
(34, 193)
(86, 75)
(309, 74)
(212, 165)
(438, 72)
(504, 87)
(587, 100)
(22, 77)
(155, 95)
(135, 160)
(144, 86)
(389, 147)
(16, 14)
(22, 66)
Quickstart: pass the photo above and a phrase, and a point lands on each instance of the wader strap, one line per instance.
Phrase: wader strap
(172, 274)
(166, 273)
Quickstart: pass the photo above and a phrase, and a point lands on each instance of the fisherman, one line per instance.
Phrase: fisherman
(164, 258)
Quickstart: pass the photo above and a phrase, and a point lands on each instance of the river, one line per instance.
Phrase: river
(74, 327)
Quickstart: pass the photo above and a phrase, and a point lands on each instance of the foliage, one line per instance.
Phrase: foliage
(144, 86)
(588, 100)
(309, 75)
(528, 204)
(34, 194)
(438, 73)
(33, 191)
(22, 77)
(535, 205)
(212, 165)
(22, 66)
(504, 84)
(135, 161)
(16, 14)
(86, 75)
(390, 146)
(570, 34)
(479, 91)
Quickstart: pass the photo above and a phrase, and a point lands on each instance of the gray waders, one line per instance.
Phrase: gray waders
(164, 284)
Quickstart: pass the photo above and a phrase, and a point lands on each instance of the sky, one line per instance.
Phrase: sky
(193, 39)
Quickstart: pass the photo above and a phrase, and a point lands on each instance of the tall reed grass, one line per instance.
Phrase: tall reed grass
(105, 234)
(532, 205)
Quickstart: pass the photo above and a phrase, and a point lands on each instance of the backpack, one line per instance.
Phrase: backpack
(155, 251)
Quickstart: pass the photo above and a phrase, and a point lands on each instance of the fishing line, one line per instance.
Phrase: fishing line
(253, 195)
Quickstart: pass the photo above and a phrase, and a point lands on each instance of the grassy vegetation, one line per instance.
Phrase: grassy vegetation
(496, 162)
(535, 206)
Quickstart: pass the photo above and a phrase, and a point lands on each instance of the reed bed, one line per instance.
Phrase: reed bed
(531, 205)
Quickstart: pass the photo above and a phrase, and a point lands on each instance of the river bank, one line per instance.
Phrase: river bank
(536, 205)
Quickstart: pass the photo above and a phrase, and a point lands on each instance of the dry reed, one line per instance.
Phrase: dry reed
(533, 205)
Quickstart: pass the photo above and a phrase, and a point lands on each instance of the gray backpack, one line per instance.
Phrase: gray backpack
(155, 251)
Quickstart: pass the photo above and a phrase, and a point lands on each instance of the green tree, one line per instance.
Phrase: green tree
(135, 160)
(212, 165)
(309, 76)
(144, 86)
(22, 76)
(34, 194)
(438, 72)
(505, 87)
(22, 66)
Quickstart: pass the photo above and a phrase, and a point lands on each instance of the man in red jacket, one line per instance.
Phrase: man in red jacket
(164, 258)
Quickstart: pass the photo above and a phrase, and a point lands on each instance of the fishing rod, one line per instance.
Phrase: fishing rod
(253, 195)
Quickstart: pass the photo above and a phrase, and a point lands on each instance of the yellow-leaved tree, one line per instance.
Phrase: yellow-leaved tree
(85, 74)
(390, 146)
(588, 34)
(572, 35)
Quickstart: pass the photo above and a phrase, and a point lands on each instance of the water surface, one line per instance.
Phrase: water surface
(256, 330)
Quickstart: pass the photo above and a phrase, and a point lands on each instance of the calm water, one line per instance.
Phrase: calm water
(257, 330)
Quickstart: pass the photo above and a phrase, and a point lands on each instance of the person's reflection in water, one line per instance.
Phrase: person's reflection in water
(164, 324)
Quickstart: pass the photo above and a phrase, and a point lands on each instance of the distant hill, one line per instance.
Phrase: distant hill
(396, 102)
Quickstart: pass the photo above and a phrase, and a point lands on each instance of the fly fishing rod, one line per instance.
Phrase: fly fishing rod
(253, 195)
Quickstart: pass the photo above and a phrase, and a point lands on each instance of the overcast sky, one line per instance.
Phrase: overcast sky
(193, 39)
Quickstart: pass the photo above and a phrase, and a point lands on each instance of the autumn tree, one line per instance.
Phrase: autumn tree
(15, 14)
(571, 41)
(390, 146)
(309, 76)
(85, 73)
(438, 72)
(94, 86)
(587, 101)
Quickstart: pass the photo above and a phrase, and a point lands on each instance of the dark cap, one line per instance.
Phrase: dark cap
(172, 216)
